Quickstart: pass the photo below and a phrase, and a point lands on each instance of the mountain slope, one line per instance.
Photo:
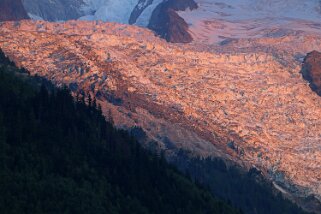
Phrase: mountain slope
(54, 10)
(61, 156)
(216, 101)
(11, 10)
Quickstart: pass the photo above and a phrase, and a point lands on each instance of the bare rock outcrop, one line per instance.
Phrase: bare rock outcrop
(311, 71)
(166, 22)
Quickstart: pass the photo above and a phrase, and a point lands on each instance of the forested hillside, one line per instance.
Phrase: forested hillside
(249, 191)
(61, 156)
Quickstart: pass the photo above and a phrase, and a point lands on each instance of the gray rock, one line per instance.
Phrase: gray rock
(54, 10)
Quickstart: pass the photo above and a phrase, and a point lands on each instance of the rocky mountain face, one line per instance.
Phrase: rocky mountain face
(168, 24)
(11, 10)
(54, 10)
(243, 100)
(312, 71)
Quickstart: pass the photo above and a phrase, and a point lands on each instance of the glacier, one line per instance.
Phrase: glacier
(215, 21)
(143, 19)
(118, 11)
(108, 10)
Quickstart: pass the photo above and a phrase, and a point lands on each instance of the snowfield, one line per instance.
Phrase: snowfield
(215, 21)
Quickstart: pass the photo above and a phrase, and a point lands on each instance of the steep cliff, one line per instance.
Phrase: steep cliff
(168, 24)
(311, 70)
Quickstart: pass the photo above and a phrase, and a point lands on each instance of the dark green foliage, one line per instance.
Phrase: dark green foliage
(61, 156)
(246, 190)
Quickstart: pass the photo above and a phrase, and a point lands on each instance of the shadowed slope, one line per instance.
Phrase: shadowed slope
(11, 10)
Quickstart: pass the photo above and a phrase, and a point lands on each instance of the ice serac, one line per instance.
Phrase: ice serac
(168, 24)
(311, 71)
(243, 100)
(11, 10)
(109, 10)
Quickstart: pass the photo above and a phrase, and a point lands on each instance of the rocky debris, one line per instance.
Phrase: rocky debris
(168, 24)
(11, 10)
(196, 98)
(311, 71)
